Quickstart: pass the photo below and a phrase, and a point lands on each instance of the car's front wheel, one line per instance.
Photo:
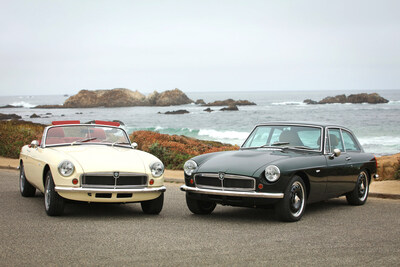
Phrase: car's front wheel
(26, 189)
(291, 208)
(153, 206)
(199, 206)
(359, 194)
(53, 202)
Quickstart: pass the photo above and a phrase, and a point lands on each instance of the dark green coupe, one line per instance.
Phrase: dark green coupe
(282, 164)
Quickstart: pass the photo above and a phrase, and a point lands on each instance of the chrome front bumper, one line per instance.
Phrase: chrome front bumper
(230, 192)
(110, 190)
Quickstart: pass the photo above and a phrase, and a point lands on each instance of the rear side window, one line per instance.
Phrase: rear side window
(335, 140)
(349, 142)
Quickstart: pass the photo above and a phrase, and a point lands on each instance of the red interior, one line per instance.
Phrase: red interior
(110, 123)
(65, 122)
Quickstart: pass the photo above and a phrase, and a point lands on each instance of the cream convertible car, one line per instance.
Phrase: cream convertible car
(91, 163)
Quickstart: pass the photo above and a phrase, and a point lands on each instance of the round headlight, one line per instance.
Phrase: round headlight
(272, 173)
(189, 167)
(66, 168)
(157, 169)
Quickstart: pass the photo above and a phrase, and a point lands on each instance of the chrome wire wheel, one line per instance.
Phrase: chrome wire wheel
(362, 186)
(296, 199)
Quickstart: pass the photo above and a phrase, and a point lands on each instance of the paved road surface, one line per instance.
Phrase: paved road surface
(330, 233)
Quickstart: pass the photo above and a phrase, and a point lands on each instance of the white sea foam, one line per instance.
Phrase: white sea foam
(23, 104)
(380, 140)
(223, 135)
(289, 103)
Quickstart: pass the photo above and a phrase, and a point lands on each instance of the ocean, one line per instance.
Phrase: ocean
(377, 127)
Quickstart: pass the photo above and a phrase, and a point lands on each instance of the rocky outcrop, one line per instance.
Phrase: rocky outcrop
(121, 97)
(229, 102)
(200, 102)
(230, 108)
(11, 106)
(388, 167)
(180, 111)
(208, 110)
(9, 117)
(49, 106)
(34, 115)
(373, 98)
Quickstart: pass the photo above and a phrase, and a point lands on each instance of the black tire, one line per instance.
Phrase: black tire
(291, 208)
(53, 202)
(153, 206)
(26, 189)
(360, 192)
(199, 206)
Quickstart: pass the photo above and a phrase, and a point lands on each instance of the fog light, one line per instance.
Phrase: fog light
(75, 181)
(260, 186)
(151, 182)
(191, 181)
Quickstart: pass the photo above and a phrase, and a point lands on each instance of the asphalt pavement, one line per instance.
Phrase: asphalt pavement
(331, 233)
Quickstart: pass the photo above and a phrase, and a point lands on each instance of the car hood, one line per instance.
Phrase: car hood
(102, 158)
(241, 162)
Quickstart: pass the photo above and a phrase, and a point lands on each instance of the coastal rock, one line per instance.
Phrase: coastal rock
(200, 102)
(34, 115)
(373, 98)
(388, 166)
(230, 108)
(229, 102)
(180, 111)
(208, 110)
(172, 98)
(121, 97)
(49, 106)
(9, 117)
(11, 106)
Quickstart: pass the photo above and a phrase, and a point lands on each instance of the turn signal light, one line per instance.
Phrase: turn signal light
(191, 181)
(151, 181)
(260, 186)
(75, 181)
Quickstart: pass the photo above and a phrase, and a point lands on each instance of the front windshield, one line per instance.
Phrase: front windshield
(301, 137)
(78, 134)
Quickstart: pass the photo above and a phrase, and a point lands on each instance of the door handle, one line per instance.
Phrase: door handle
(348, 158)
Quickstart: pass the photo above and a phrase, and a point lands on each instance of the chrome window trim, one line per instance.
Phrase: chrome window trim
(288, 124)
(44, 138)
(229, 176)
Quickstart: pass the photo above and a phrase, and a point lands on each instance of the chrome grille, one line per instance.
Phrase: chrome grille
(107, 180)
(229, 182)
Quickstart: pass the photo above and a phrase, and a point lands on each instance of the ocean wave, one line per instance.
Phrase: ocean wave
(392, 141)
(289, 103)
(223, 135)
(22, 104)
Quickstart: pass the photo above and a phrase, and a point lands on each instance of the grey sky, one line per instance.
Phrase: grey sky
(57, 47)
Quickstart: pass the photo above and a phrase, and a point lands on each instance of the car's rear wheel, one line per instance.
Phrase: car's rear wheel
(26, 189)
(359, 194)
(200, 206)
(153, 206)
(53, 202)
(291, 208)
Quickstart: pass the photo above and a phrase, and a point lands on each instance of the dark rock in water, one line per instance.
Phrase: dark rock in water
(78, 113)
(9, 117)
(310, 102)
(11, 106)
(373, 98)
(208, 110)
(230, 108)
(34, 115)
(230, 102)
(180, 111)
(48, 113)
(62, 115)
(200, 102)
(49, 106)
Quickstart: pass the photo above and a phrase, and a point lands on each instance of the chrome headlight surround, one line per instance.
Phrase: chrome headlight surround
(272, 173)
(66, 168)
(189, 167)
(157, 169)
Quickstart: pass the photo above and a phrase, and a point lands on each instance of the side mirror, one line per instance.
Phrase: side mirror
(34, 144)
(336, 153)
(134, 145)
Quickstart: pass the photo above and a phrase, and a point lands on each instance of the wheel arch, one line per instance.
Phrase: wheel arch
(305, 179)
(45, 170)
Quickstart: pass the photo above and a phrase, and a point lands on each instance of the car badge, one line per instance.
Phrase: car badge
(221, 175)
(116, 175)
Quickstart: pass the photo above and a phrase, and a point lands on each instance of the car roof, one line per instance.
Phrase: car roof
(307, 123)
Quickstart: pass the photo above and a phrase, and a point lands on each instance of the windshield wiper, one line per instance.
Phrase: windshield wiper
(83, 140)
(119, 143)
(275, 144)
(304, 147)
